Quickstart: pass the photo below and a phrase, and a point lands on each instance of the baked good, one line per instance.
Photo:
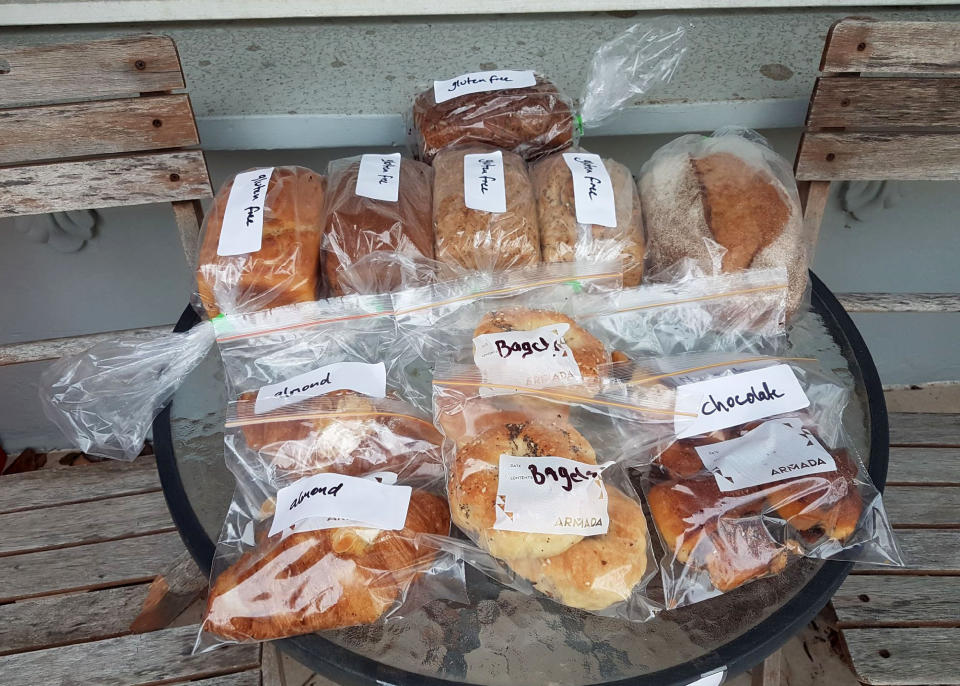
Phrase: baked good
(356, 226)
(563, 239)
(530, 121)
(472, 486)
(325, 579)
(286, 268)
(598, 571)
(741, 549)
(727, 202)
(587, 349)
(479, 240)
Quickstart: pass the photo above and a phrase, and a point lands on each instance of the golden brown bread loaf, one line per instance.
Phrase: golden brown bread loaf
(325, 579)
(479, 240)
(529, 121)
(355, 226)
(726, 202)
(286, 269)
(563, 239)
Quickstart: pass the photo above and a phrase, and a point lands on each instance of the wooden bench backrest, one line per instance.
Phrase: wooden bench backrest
(886, 107)
(95, 125)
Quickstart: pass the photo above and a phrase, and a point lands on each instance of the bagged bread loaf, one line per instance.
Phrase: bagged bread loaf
(531, 119)
(484, 213)
(589, 210)
(728, 202)
(377, 204)
(261, 241)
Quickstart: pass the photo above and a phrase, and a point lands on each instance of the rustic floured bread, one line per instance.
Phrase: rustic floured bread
(726, 201)
(563, 239)
(530, 121)
(286, 269)
(479, 240)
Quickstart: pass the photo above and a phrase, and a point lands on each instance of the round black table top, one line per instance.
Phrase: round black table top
(504, 637)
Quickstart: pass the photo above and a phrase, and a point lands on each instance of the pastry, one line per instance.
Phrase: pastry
(286, 268)
(563, 239)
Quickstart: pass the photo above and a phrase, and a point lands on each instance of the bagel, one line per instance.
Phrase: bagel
(599, 570)
(472, 487)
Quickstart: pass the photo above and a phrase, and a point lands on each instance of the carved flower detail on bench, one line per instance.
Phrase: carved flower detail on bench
(63, 231)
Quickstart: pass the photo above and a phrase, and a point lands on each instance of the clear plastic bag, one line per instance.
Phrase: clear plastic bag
(104, 399)
(533, 479)
(530, 121)
(564, 239)
(727, 201)
(743, 311)
(336, 542)
(377, 245)
(476, 239)
(260, 246)
(764, 473)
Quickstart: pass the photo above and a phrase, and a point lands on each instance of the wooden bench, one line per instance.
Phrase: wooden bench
(887, 107)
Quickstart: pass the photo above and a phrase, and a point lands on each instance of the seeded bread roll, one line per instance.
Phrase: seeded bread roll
(479, 240)
(563, 239)
(529, 121)
(726, 201)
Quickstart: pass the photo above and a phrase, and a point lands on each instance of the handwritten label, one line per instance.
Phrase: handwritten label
(535, 358)
(366, 502)
(776, 450)
(483, 183)
(242, 228)
(592, 189)
(734, 399)
(379, 177)
(360, 377)
(551, 495)
(481, 81)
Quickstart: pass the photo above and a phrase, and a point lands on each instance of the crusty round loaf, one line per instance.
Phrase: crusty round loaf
(325, 579)
(479, 240)
(599, 570)
(286, 268)
(472, 486)
(722, 201)
(563, 239)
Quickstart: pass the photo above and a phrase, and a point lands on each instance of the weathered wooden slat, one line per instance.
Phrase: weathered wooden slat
(855, 45)
(83, 71)
(103, 127)
(52, 348)
(80, 523)
(249, 678)
(878, 156)
(32, 490)
(912, 429)
(110, 182)
(933, 551)
(924, 466)
(905, 657)
(885, 104)
(898, 600)
(61, 619)
(900, 302)
(923, 506)
(157, 657)
(99, 565)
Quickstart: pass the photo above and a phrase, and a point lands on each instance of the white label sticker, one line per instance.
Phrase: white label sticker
(379, 177)
(776, 450)
(360, 377)
(735, 399)
(334, 496)
(242, 228)
(535, 358)
(551, 495)
(592, 189)
(483, 184)
(481, 81)
(712, 679)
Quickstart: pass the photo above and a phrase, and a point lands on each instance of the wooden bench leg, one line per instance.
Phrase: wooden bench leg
(768, 674)
(170, 594)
